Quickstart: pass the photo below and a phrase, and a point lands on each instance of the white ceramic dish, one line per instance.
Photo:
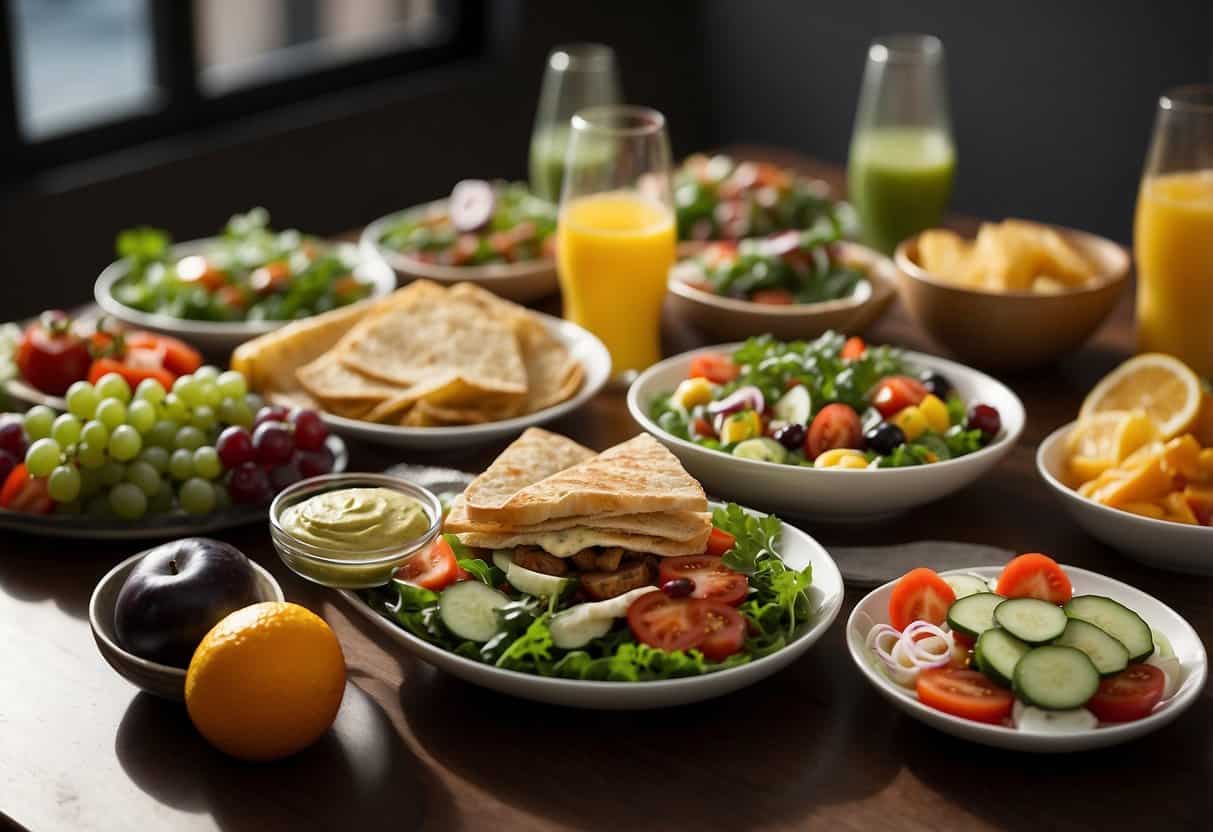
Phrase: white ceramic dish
(525, 281)
(1159, 543)
(873, 609)
(213, 337)
(582, 345)
(832, 493)
(154, 527)
(797, 549)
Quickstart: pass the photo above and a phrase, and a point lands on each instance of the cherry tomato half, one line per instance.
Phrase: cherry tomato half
(853, 348)
(835, 426)
(964, 693)
(725, 630)
(667, 623)
(180, 358)
(719, 542)
(895, 393)
(718, 369)
(1130, 694)
(1035, 576)
(920, 595)
(434, 568)
(712, 579)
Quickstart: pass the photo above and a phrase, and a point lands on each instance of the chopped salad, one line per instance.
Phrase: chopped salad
(719, 198)
(248, 273)
(684, 616)
(1022, 651)
(480, 224)
(833, 402)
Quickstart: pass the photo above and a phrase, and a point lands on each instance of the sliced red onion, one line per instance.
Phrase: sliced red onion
(740, 399)
(899, 673)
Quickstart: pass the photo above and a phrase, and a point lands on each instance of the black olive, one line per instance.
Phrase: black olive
(936, 385)
(790, 436)
(884, 438)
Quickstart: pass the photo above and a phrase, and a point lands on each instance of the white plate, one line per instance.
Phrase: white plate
(874, 609)
(152, 527)
(525, 281)
(213, 336)
(797, 549)
(581, 344)
(19, 390)
(832, 493)
(1159, 543)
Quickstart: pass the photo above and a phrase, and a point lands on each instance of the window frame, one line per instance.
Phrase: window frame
(180, 104)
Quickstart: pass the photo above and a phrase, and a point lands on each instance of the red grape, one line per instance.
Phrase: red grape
(12, 439)
(314, 463)
(7, 463)
(249, 484)
(310, 431)
(234, 446)
(985, 419)
(284, 475)
(271, 413)
(272, 443)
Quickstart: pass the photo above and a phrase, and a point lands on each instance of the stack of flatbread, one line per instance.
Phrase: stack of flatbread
(546, 490)
(424, 355)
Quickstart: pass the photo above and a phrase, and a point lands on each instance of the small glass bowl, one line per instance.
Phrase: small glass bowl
(349, 570)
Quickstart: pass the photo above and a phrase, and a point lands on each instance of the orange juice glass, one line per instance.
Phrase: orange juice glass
(615, 238)
(1173, 232)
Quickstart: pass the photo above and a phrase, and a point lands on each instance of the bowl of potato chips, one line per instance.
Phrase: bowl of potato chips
(1018, 295)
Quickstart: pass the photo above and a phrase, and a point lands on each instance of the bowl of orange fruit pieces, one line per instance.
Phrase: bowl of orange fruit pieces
(1136, 468)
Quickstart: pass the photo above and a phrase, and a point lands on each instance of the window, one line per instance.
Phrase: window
(83, 77)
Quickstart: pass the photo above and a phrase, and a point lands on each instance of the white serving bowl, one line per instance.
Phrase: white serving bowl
(581, 344)
(213, 337)
(797, 549)
(1160, 543)
(874, 609)
(832, 493)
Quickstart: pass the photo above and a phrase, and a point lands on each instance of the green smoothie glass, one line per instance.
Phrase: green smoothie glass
(902, 158)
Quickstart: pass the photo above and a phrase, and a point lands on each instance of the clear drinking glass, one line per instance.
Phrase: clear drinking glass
(615, 237)
(578, 76)
(1173, 231)
(902, 158)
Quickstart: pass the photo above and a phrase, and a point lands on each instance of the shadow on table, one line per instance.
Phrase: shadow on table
(358, 775)
(720, 763)
(63, 571)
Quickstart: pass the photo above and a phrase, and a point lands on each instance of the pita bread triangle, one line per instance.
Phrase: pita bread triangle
(532, 457)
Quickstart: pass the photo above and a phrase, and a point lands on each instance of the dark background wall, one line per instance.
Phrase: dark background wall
(1052, 105)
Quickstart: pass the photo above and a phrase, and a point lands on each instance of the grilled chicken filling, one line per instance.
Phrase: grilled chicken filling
(602, 572)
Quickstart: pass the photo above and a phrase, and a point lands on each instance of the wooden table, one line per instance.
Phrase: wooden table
(813, 746)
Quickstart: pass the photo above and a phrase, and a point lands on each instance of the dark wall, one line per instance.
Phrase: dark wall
(1052, 102)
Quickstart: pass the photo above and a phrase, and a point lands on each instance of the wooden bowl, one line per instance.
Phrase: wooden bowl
(1014, 330)
(730, 319)
(521, 282)
(158, 679)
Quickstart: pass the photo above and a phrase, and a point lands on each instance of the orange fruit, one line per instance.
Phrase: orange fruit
(266, 681)
(1161, 385)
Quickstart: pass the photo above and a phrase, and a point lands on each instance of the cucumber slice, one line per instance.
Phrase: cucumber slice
(794, 406)
(535, 583)
(1027, 718)
(1030, 619)
(1115, 619)
(974, 614)
(1055, 678)
(997, 653)
(966, 585)
(764, 449)
(502, 558)
(1107, 654)
(469, 609)
(578, 626)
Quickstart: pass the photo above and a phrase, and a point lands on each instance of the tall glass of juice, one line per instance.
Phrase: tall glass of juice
(615, 235)
(1173, 231)
(902, 158)
(577, 76)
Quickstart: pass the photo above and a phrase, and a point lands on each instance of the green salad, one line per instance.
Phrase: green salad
(833, 402)
(248, 273)
(529, 622)
(480, 224)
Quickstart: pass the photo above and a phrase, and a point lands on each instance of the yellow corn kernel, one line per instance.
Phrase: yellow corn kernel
(691, 392)
(911, 421)
(740, 426)
(936, 413)
(841, 458)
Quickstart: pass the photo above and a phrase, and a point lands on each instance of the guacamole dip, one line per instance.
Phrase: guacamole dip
(357, 520)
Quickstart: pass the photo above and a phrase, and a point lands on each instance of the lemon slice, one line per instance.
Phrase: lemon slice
(1161, 386)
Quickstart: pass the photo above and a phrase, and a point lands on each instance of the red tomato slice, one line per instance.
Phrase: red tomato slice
(196, 270)
(895, 393)
(964, 693)
(272, 277)
(24, 493)
(713, 580)
(717, 369)
(836, 426)
(434, 568)
(853, 348)
(180, 358)
(1035, 576)
(702, 427)
(920, 595)
(719, 542)
(667, 623)
(725, 630)
(1130, 694)
(133, 375)
(773, 297)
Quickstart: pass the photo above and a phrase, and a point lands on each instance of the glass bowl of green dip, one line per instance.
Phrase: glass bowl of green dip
(351, 531)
